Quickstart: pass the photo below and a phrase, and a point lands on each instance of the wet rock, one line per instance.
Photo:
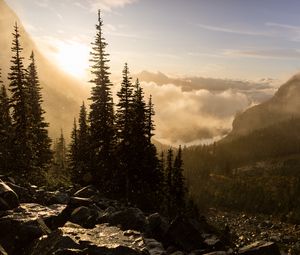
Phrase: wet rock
(8, 198)
(260, 248)
(85, 216)
(87, 192)
(216, 253)
(103, 239)
(24, 224)
(154, 247)
(129, 218)
(57, 197)
(185, 235)
(157, 226)
(2, 251)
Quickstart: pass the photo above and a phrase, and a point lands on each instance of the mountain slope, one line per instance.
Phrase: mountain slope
(284, 105)
(61, 93)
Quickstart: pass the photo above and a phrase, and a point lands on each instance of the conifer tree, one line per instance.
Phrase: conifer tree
(168, 182)
(79, 153)
(73, 153)
(124, 120)
(102, 133)
(40, 140)
(60, 152)
(5, 130)
(23, 151)
(149, 119)
(178, 183)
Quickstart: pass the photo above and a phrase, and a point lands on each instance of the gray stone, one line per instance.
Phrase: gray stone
(260, 248)
(8, 198)
(102, 239)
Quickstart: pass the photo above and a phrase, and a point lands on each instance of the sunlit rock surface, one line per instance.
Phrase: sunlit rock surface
(102, 239)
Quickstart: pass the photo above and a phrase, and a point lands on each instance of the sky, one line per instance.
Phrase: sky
(203, 61)
(212, 38)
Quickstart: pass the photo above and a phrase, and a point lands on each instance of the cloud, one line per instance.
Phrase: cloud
(189, 116)
(284, 26)
(107, 5)
(266, 53)
(191, 110)
(233, 30)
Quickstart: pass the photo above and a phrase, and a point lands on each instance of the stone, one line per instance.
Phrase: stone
(129, 218)
(103, 239)
(260, 248)
(184, 235)
(154, 247)
(8, 198)
(84, 216)
(157, 226)
(58, 197)
(22, 225)
(87, 192)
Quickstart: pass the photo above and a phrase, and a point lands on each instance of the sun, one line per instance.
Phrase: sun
(73, 58)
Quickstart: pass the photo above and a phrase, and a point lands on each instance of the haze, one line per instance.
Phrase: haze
(246, 48)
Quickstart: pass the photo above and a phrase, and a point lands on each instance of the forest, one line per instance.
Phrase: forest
(111, 144)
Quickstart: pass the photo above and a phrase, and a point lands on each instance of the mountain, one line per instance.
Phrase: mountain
(61, 93)
(284, 105)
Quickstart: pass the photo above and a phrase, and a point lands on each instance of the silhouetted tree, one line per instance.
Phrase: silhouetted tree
(5, 130)
(73, 156)
(38, 133)
(102, 138)
(60, 152)
(22, 142)
(178, 182)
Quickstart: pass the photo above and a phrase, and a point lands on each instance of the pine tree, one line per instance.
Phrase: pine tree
(102, 138)
(60, 152)
(83, 155)
(73, 153)
(168, 183)
(23, 151)
(39, 134)
(124, 119)
(149, 119)
(178, 182)
(5, 130)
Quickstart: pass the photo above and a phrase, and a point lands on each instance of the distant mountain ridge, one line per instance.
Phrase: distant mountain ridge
(61, 93)
(284, 105)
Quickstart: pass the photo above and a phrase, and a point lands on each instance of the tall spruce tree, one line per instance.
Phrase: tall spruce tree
(39, 134)
(73, 153)
(22, 142)
(178, 182)
(5, 130)
(102, 133)
(168, 182)
(124, 120)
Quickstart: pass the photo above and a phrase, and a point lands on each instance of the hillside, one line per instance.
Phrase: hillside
(61, 93)
(285, 104)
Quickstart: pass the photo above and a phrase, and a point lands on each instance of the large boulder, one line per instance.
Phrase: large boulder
(8, 198)
(157, 226)
(85, 216)
(260, 248)
(103, 239)
(185, 235)
(87, 192)
(129, 218)
(22, 225)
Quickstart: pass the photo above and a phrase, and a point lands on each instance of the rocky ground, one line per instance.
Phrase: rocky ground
(34, 221)
(246, 228)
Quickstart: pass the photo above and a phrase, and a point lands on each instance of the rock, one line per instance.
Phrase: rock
(2, 251)
(57, 197)
(84, 216)
(157, 226)
(177, 253)
(214, 243)
(79, 201)
(86, 192)
(184, 235)
(129, 218)
(22, 192)
(8, 198)
(103, 239)
(216, 253)
(24, 224)
(154, 247)
(260, 248)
